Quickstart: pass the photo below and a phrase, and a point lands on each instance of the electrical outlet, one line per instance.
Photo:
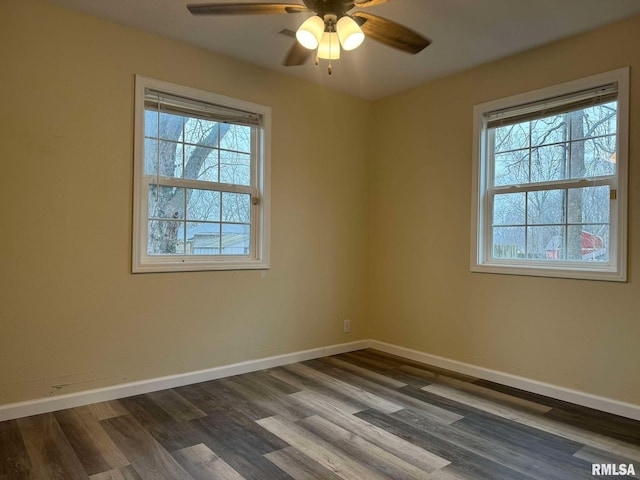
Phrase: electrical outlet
(347, 326)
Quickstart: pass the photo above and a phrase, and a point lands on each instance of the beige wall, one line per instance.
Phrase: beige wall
(70, 309)
(576, 334)
(375, 229)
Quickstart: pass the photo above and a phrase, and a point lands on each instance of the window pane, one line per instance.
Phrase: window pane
(545, 243)
(203, 238)
(508, 242)
(509, 209)
(548, 163)
(512, 137)
(236, 138)
(549, 130)
(203, 205)
(169, 155)
(166, 202)
(151, 123)
(589, 243)
(170, 127)
(201, 132)
(545, 207)
(236, 207)
(150, 156)
(165, 238)
(589, 205)
(511, 168)
(235, 239)
(593, 158)
(235, 168)
(201, 163)
(594, 121)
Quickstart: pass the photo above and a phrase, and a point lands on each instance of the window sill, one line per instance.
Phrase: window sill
(197, 265)
(554, 271)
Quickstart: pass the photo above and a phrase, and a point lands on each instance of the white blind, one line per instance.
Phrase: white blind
(176, 105)
(552, 106)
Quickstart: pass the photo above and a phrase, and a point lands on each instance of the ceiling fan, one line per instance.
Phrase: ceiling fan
(331, 27)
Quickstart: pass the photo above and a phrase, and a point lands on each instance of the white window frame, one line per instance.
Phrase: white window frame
(258, 258)
(481, 214)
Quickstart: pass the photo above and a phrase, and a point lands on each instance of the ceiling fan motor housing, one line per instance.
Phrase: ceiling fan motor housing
(329, 7)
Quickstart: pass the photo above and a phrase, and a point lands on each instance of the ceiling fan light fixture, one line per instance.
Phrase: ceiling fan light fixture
(329, 48)
(310, 32)
(349, 32)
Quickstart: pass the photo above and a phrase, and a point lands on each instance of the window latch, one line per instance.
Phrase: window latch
(613, 194)
(255, 200)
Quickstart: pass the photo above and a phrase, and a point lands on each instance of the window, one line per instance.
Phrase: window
(550, 181)
(201, 190)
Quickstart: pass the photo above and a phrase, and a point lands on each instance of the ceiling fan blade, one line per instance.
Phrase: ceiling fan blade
(390, 33)
(244, 8)
(297, 55)
(369, 3)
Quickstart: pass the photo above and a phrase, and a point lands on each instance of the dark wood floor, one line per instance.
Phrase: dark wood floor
(363, 415)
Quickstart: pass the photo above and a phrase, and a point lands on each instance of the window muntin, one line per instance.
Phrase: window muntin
(551, 180)
(200, 189)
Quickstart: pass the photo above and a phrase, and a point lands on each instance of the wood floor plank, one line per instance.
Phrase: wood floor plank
(396, 396)
(320, 451)
(105, 410)
(590, 419)
(124, 473)
(478, 390)
(397, 446)
(594, 421)
(94, 448)
(451, 472)
(49, 450)
(299, 466)
(203, 464)
(211, 397)
(543, 423)
(367, 453)
(242, 443)
(439, 401)
(521, 454)
(472, 464)
(400, 361)
(503, 430)
(343, 402)
(149, 459)
(14, 459)
(382, 368)
(363, 396)
(170, 433)
(258, 392)
(364, 373)
(225, 399)
(178, 407)
(146, 412)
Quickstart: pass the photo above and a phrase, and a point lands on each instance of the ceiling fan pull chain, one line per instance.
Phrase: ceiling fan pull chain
(329, 69)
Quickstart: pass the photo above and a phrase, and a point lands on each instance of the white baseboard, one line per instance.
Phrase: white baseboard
(604, 404)
(60, 402)
(70, 400)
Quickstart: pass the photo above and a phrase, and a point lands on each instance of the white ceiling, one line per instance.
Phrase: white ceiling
(464, 33)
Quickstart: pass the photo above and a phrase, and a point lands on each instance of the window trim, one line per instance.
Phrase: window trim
(261, 212)
(616, 268)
